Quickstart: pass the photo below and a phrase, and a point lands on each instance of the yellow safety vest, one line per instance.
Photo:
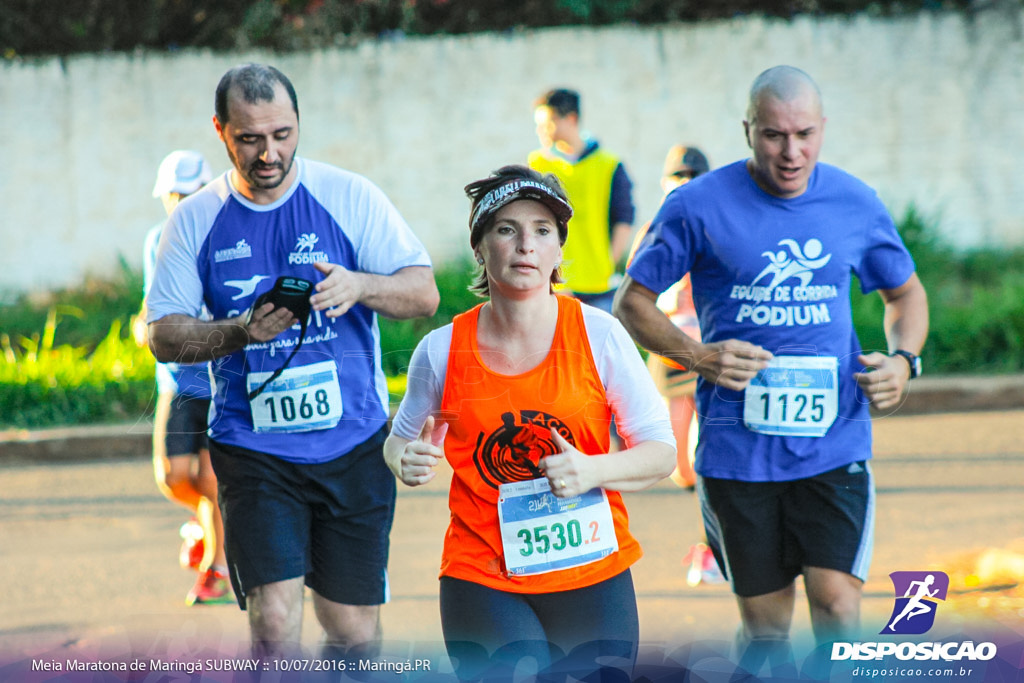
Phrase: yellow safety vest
(587, 256)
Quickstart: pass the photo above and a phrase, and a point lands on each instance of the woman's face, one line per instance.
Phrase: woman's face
(521, 248)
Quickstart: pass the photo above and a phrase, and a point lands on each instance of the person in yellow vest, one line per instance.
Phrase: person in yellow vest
(600, 192)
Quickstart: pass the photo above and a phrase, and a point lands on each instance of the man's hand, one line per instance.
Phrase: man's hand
(731, 363)
(339, 291)
(884, 379)
(268, 321)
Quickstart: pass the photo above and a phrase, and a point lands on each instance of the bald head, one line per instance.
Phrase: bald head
(784, 84)
(785, 129)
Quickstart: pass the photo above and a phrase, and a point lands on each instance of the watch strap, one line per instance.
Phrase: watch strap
(912, 360)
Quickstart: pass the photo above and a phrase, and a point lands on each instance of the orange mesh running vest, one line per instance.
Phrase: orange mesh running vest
(493, 420)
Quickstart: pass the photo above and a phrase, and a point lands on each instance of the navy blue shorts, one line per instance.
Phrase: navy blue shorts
(186, 425)
(328, 521)
(487, 632)
(764, 533)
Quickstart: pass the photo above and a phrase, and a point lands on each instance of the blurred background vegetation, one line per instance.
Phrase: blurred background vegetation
(69, 358)
(54, 27)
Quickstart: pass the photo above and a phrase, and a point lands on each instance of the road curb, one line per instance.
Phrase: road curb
(76, 444)
(927, 395)
(961, 393)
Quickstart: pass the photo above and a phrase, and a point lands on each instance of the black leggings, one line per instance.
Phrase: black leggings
(488, 632)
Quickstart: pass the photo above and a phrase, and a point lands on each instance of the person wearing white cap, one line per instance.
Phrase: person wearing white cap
(181, 458)
(181, 173)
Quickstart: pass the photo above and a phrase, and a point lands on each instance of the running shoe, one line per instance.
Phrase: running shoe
(212, 588)
(190, 556)
(702, 567)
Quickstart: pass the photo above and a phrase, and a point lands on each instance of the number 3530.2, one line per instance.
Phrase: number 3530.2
(543, 539)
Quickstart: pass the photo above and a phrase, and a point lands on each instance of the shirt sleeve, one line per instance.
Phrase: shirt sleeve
(666, 252)
(621, 209)
(149, 257)
(176, 287)
(886, 263)
(387, 244)
(640, 413)
(425, 387)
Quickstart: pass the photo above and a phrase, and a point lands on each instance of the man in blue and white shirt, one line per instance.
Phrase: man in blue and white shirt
(305, 493)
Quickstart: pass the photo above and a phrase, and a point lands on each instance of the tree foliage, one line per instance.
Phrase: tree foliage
(54, 27)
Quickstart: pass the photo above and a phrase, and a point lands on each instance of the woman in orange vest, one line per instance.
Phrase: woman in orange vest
(517, 395)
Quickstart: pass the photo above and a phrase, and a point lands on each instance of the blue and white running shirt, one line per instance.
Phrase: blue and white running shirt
(221, 250)
(176, 378)
(776, 272)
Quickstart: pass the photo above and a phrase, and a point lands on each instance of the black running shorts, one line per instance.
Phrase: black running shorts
(764, 533)
(186, 425)
(328, 521)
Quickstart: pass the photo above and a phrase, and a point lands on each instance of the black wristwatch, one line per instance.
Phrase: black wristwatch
(912, 360)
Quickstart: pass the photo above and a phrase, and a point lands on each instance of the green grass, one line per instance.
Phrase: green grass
(42, 384)
(975, 304)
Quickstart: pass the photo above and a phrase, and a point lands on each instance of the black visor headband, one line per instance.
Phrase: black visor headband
(520, 189)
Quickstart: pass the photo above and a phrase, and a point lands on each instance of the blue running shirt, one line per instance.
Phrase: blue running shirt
(776, 272)
(223, 251)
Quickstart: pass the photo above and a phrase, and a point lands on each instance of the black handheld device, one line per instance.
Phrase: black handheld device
(292, 293)
(288, 292)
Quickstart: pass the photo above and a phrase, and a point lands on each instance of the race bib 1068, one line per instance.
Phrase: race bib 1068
(302, 399)
(793, 396)
(542, 533)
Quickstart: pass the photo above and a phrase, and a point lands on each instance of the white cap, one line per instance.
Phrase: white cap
(182, 171)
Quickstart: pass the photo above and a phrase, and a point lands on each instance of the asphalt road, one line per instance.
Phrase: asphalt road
(88, 554)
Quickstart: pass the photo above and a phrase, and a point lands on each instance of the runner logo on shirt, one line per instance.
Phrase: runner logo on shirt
(304, 253)
(240, 250)
(802, 303)
(511, 452)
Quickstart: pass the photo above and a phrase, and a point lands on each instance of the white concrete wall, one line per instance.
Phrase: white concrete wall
(927, 109)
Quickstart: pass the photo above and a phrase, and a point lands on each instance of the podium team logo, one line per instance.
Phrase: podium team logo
(799, 263)
(917, 594)
(783, 293)
(304, 250)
